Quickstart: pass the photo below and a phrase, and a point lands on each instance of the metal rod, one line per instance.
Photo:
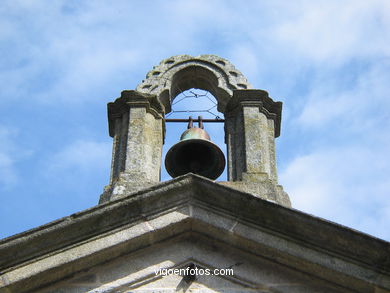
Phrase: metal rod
(194, 120)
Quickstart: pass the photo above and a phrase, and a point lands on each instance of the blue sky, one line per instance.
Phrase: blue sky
(327, 61)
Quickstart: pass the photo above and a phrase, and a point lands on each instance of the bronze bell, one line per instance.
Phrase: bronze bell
(195, 153)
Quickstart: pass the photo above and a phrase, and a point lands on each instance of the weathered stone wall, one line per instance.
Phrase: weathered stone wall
(137, 127)
(136, 272)
(252, 123)
(114, 247)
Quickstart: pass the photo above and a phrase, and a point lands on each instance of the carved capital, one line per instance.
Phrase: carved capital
(132, 99)
(256, 98)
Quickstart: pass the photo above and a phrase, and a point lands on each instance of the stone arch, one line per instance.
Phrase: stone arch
(208, 72)
(252, 121)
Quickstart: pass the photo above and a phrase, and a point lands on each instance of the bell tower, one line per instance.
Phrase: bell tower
(192, 233)
(252, 122)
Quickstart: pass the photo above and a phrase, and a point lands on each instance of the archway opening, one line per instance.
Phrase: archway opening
(193, 102)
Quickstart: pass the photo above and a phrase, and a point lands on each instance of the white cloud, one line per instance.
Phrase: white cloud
(81, 167)
(7, 170)
(244, 56)
(60, 55)
(357, 102)
(10, 154)
(69, 51)
(344, 176)
(331, 31)
(347, 185)
(79, 157)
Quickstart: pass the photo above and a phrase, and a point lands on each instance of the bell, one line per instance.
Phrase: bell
(195, 153)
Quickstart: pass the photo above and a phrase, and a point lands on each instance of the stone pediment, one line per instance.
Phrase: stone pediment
(191, 208)
(222, 268)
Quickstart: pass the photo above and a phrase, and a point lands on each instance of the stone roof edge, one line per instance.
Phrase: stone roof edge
(73, 216)
(290, 223)
(307, 229)
(16, 248)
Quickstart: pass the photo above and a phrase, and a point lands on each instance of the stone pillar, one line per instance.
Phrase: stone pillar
(252, 121)
(137, 127)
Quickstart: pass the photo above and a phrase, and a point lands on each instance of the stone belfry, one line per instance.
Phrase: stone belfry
(216, 237)
(252, 122)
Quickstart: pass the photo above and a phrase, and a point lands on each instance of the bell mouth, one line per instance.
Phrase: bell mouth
(195, 155)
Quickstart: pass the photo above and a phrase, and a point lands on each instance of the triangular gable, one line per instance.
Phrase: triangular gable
(196, 206)
(165, 267)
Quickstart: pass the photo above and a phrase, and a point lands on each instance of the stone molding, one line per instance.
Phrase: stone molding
(219, 76)
(256, 98)
(131, 99)
(301, 241)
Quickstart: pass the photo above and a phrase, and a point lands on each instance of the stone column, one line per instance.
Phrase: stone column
(137, 127)
(252, 121)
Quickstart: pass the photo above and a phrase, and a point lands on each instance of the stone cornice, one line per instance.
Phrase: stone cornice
(132, 99)
(256, 98)
(195, 190)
